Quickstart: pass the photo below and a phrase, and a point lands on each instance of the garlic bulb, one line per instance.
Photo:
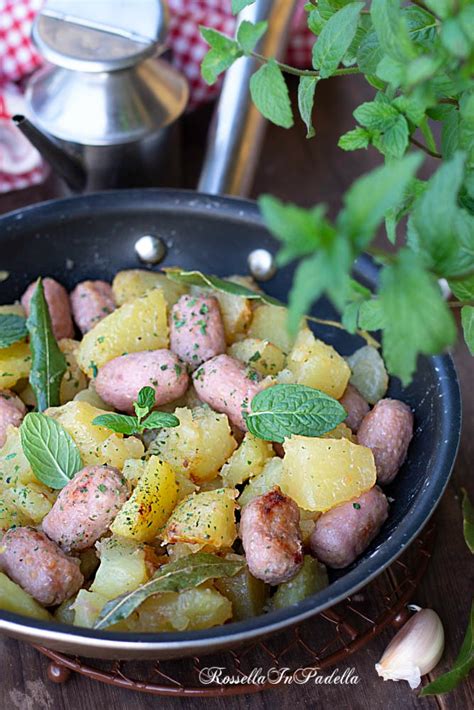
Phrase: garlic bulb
(415, 650)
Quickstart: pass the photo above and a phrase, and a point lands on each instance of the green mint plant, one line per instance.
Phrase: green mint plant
(419, 58)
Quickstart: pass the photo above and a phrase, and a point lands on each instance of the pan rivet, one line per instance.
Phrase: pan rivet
(150, 249)
(261, 264)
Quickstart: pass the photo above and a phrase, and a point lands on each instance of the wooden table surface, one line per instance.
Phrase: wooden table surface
(306, 172)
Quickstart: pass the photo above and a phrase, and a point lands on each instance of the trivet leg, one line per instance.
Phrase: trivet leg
(58, 673)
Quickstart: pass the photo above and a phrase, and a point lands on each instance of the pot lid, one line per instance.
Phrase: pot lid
(99, 35)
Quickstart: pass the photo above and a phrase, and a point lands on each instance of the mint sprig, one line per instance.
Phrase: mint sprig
(130, 425)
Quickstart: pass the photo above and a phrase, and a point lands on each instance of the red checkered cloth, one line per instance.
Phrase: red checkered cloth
(20, 164)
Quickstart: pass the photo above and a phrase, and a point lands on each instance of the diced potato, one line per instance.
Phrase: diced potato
(191, 610)
(207, 518)
(271, 323)
(15, 309)
(87, 607)
(285, 377)
(247, 461)
(146, 511)
(322, 473)
(74, 380)
(189, 400)
(14, 599)
(64, 614)
(199, 446)
(236, 314)
(97, 445)
(14, 466)
(90, 396)
(15, 363)
(311, 578)
(213, 485)
(133, 470)
(262, 355)
(342, 431)
(369, 375)
(318, 365)
(271, 476)
(123, 567)
(133, 283)
(32, 501)
(307, 522)
(10, 515)
(139, 325)
(185, 486)
(182, 549)
(247, 593)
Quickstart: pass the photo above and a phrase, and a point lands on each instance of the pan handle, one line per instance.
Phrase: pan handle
(237, 128)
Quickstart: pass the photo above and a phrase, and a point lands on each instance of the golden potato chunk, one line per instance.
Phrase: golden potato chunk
(15, 364)
(14, 599)
(322, 473)
(15, 309)
(95, 443)
(74, 380)
(199, 446)
(206, 518)
(133, 283)
(318, 365)
(139, 325)
(271, 323)
(263, 356)
(14, 466)
(146, 511)
(269, 478)
(123, 567)
(342, 431)
(247, 461)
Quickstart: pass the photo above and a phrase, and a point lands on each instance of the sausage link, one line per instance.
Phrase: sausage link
(196, 329)
(269, 529)
(86, 507)
(343, 533)
(39, 566)
(227, 386)
(355, 406)
(91, 301)
(119, 381)
(58, 305)
(12, 411)
(387, 430)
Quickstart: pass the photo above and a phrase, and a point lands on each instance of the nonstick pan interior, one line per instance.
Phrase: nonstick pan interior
(93, 237)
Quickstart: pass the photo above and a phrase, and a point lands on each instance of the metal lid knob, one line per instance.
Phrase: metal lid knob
(91, 36)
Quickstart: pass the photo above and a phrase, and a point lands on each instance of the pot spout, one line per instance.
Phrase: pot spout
(68, 167)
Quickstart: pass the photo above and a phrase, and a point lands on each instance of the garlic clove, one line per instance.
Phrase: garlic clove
(415, 650)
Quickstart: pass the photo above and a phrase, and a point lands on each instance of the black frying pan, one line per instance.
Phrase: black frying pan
(94, 237)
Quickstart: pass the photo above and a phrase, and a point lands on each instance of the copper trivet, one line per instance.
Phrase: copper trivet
(318, 643)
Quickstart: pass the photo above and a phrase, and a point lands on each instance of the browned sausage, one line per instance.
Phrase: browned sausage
(86, 507)
(12, 411)
(196, 329)
(58, 305)
(39, 566)
(269, 529)
(387, 430)
(355, 406)
(343, 533)
(91, 301)
(227, 386)
(120, 380)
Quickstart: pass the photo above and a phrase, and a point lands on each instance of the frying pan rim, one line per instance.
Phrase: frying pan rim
(237, 632)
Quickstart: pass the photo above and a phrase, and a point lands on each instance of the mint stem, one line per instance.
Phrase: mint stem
(305, 72)
(433, 153)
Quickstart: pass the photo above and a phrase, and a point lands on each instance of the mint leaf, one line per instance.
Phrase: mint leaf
(282, 410)
(454, 39)
(376, 115)
(467, 320)
(300, 230)
(270, 94)
(158, 420)
(48, 364)
(416, 318)
(468, 520)
(391, 29)
(336, 38)
(249, 34)
(372, 195)
(437, 224)
(238, 5)
(352, 140)
(12, 329)
(120, 423)
(145, 402)
(463, 290)
(306, 91)
(394, 140)
(223, 53)
(369, 53)
(184, 573)
(463, 665)
(53, 456)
